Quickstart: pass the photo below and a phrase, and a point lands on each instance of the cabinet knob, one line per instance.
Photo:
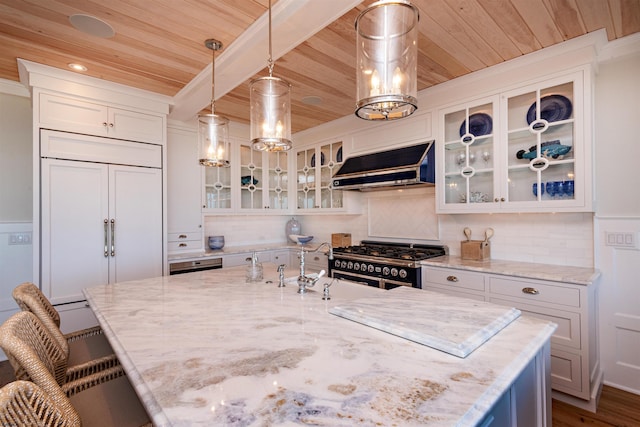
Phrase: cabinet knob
(452, 278)
(110, 125)
(531, 291)
(104, 124)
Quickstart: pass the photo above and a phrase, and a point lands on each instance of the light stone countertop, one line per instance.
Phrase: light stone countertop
(207, 349)
(554, 273)
(231, 250)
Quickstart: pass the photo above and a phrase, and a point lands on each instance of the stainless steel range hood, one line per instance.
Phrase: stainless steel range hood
(407, 166)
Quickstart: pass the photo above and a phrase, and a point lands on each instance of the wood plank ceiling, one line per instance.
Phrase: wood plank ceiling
(158, 45)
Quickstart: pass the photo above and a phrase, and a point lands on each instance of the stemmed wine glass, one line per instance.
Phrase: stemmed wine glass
(460, 159)
(486, 156)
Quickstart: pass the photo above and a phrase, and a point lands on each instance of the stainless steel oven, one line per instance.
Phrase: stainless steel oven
(383, 264)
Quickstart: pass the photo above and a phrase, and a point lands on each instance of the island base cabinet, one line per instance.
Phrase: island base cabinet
(527, 403)
(76, 316)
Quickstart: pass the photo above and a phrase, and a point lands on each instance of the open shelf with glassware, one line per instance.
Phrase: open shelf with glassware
(526, 150)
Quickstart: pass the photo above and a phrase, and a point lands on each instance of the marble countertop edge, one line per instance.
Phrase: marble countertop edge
(555, 273)
(152, 407)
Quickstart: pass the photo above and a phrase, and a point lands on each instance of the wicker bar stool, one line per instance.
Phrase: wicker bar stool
(101, 396)
(82, 346)
(23, 403)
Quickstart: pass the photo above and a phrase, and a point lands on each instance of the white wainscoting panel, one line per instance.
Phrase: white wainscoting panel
(619, 304)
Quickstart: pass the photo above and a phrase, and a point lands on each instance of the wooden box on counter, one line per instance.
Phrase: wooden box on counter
(478, 250)
(340, 240)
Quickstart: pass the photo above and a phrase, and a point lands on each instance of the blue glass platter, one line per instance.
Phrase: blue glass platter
(553, 108)
(479, 124)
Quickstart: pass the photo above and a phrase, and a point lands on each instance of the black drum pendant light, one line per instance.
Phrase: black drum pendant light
(213, 130)
(270, 99)
(387, 47)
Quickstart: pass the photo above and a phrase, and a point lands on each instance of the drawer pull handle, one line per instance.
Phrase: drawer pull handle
(452, 278)
(532, 291)
(182, 236)
(182, 245)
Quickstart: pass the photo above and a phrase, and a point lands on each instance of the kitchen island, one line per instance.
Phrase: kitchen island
(206, 349)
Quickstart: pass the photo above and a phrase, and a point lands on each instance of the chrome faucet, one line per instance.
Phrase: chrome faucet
(281, 275)
(305, 281)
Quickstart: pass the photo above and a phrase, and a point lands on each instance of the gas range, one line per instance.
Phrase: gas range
(383, 264)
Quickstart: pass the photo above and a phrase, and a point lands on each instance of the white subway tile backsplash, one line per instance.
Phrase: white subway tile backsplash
(554, 238)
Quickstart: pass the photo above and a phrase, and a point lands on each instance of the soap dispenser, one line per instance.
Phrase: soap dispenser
(254, 269)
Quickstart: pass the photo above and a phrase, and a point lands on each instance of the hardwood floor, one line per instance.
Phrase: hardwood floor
(617, 408)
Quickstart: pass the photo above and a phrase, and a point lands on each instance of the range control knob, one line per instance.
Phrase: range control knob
(403, 273)
(337, 263)
(343, 264)
(394, 272)
(350, 265)
(386, 271)
(371, 268)
(358, 266)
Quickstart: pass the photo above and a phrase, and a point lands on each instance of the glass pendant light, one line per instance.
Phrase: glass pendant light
(387, 47)
(213, 130)
(270, 99)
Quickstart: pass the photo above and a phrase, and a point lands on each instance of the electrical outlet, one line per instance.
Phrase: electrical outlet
(20, 238)
(621, 239)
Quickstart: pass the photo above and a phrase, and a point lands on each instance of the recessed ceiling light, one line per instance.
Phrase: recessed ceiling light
(92, 26)
(77, 67)
(312, 100)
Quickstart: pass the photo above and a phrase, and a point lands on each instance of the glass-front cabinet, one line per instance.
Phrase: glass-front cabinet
(255, 181)
(526, 150)
(217, 189)
(470, 154)
(315, 167)
(263, 179)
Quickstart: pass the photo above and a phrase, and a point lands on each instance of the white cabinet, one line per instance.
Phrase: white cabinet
(184, 214)
(93, 118)
(574, 349)
(523, 150)
(100, 223)
(264, 180)
(315, 167)
(256, 181)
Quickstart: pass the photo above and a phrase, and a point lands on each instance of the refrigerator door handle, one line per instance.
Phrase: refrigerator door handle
(113, 237)
(106, 237)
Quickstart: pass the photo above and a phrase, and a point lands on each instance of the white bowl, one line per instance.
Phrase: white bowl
(300, 238)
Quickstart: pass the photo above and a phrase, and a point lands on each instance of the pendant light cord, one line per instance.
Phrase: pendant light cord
(213, 81)
(270, 61)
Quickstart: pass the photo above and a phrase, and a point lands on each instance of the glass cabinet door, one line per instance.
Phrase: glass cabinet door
(540, 145)
(278, 180)
(469, 154)
(330, 161)
(251, 185)
(217, 188)
(315, 168)
(306, 182)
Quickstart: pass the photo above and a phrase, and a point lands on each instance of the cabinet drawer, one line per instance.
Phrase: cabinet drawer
(181, 237)
(450, 291)
(454, 278)
(568, 331)
(187, 245)
(566, 373)
(535, 291)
